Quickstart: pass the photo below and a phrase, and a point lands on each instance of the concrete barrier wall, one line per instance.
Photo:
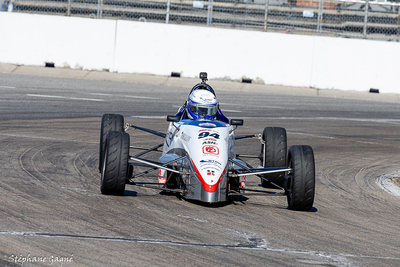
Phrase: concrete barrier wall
(352, 64)
(77, 43)
(138, 47)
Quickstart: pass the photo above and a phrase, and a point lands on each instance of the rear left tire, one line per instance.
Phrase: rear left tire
(109, 122)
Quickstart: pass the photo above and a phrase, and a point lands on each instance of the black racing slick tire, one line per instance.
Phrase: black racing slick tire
(274, 154)
(114, 170)
(109, 122)
(301, 182)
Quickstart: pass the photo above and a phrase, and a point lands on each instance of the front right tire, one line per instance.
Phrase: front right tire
(301, 182)
(114, 171)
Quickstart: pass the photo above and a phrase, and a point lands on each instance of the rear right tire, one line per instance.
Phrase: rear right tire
(274, 154)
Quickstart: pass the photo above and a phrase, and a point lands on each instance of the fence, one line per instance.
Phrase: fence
(354, 19)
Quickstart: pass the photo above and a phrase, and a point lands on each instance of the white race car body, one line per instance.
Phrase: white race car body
(208, 146)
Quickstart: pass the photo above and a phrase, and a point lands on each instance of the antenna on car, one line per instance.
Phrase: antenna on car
(203, 77)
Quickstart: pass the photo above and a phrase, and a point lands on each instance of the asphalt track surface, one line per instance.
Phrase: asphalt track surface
(52, 209)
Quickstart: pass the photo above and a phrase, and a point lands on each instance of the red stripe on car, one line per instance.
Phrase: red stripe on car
(207, 187)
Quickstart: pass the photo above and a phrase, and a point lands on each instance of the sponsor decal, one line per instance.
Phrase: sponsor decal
(208, 135)
(242, 182)
(210, 168)
(185, 137)
(206, 124)
(170, 135)
(210, 150)
(210, 172)
(210, 161)
(210, 164)
(162, 176)
(210, 143)
(207, 98)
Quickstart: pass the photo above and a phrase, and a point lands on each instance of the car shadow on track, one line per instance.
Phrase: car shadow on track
(313, 209)
(231, 201)
(130, 193)
(209, 205)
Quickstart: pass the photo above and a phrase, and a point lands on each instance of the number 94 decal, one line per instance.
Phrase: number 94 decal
(207, 134)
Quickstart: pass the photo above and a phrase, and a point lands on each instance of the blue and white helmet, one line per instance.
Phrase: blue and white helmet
(202, 104)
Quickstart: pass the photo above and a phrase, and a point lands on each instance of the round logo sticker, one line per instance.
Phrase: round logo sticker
(213, 150)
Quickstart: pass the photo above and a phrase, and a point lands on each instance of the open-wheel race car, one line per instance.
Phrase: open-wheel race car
(198, 158)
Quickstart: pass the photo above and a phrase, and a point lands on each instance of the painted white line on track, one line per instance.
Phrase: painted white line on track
(64, 97)
(257, 106)
(147, 117)
(124, 96)
(232, 111)
(385, 182)
(392, 121)
(253, 242)
(225, 110)
(338, 138)
(7, 87)
(389, 121)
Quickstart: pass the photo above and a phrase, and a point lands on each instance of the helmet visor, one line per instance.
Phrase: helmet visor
(203, 110)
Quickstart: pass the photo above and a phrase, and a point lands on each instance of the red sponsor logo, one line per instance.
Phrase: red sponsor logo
(213, 150)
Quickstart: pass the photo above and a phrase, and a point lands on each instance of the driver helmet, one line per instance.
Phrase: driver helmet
(202, 104)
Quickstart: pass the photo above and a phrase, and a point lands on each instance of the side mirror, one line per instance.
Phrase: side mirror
(173, 118)
(237, 122)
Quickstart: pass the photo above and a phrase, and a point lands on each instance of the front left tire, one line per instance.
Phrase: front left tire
(114, 171)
